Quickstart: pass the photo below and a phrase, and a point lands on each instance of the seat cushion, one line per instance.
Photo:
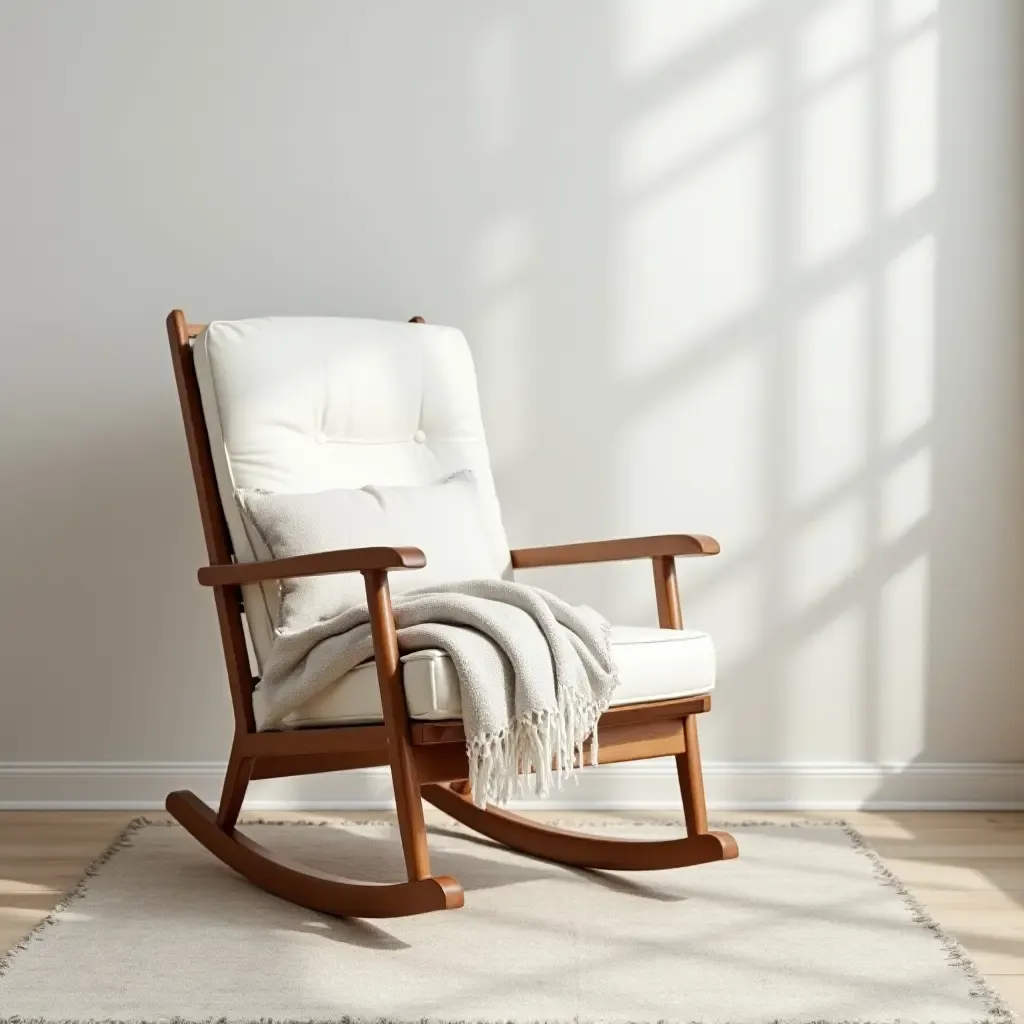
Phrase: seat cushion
(654, 664)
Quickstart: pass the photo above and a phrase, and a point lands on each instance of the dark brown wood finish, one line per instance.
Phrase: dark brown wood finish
(688, 767)
(691, 780)
(443, 762)
(666, 591)
(426, 758)
(408, 804)
(341, 740)
(285, 766)
(323, 563)
(425, 733)
(577, 849)
(236, 782)
(305, 886)
(215, 528)
(627, 549)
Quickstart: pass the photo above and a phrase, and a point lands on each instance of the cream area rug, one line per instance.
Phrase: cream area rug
(807, 925)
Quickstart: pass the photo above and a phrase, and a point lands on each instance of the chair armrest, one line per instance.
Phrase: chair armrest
(666, 545)
(319, 564)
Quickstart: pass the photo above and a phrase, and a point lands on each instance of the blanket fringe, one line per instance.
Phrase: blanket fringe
(549, 745)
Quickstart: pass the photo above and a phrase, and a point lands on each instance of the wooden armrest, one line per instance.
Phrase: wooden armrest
(319, 564)
(623, 550)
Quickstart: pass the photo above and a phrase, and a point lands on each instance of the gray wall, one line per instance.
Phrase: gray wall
(744, 268)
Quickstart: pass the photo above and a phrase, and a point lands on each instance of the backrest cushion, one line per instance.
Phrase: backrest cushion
(446, 520)
(303, 404)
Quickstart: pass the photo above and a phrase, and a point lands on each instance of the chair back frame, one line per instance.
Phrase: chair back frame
(215, 527)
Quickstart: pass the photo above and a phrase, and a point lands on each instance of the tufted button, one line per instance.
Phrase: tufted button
(322, 438)
(419, 437)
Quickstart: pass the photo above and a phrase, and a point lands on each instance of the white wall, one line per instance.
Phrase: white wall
(749, 268)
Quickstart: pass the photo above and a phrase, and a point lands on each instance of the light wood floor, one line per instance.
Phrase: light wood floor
(967, 867)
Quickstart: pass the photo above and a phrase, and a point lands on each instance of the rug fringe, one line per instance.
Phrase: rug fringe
(124, 839)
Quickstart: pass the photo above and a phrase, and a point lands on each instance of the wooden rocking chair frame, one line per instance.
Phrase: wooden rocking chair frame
(427, 759)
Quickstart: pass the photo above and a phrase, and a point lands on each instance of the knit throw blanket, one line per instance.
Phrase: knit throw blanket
(535, 674)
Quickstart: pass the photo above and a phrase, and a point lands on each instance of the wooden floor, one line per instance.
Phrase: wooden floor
(967, 867)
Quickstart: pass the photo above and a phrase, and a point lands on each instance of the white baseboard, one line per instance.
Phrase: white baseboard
(650, 785)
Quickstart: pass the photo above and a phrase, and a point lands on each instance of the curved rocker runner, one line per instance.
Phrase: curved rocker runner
(307, 887)
(579, 849)
(427, 758)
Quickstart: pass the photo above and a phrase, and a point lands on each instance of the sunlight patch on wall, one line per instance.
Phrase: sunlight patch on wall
(692, 459)
(834, 36)
(911, 123)
(903, 662)
(758, 285)
(691, 122)
(830, 402)
(906, 497)
(901, 15)
(690, 259)
(909, 350)
(652, 33)
(833, 171)
(726, 599)
(824, 716)
(828, 552)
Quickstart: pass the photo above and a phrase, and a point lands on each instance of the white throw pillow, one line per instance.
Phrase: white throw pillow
(445, 519)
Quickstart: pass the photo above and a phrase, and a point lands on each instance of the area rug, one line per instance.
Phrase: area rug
(807, 925)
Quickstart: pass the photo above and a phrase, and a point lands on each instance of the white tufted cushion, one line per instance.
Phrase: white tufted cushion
(312, 404)
(654, 664)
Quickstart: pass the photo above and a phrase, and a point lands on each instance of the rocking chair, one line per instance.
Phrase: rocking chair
(313, 404)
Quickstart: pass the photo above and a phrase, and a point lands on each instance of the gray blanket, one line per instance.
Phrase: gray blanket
(535, 674)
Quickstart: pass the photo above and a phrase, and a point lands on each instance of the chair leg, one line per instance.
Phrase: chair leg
(409, 808)
(408, 804)
(236, 782)
(691, 780)
(691, 777)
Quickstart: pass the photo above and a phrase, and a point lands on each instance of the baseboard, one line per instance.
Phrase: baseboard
(650, 785)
